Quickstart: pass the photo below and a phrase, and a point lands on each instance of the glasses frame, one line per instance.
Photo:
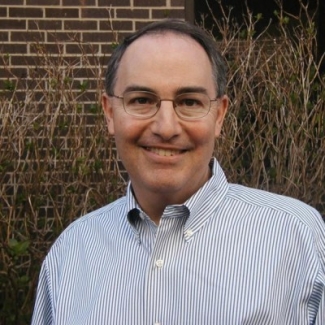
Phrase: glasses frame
(168, 100)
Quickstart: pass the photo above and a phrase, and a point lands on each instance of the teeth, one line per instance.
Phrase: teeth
(164, 152)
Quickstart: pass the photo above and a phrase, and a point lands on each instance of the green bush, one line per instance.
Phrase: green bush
(57, 161)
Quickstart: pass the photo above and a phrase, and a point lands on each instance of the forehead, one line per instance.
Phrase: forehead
(165, 60)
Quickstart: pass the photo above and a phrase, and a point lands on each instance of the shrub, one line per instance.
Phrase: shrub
(57, 163)
(274, 135)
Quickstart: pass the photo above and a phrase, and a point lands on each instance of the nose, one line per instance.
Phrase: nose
(166, 123)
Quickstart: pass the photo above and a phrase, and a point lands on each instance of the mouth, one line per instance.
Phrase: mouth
(164, 152)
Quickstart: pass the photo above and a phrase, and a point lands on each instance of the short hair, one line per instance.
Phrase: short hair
(178, 27)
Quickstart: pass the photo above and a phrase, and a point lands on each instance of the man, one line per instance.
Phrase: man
(183, 246)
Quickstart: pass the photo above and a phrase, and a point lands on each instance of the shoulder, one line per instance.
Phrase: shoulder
(275, 203)
(100, 215)
(279, 212)
(104, 220)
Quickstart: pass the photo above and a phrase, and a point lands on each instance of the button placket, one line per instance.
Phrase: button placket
(158, 268)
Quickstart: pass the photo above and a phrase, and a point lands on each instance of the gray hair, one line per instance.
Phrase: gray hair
(177, 27)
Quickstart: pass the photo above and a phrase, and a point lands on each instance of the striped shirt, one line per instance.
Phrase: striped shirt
(228, 255)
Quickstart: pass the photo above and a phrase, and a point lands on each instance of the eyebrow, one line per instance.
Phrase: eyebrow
(179, 91)
(138, 88)
(184, 90)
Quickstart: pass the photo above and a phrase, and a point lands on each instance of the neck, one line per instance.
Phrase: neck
(153, 203)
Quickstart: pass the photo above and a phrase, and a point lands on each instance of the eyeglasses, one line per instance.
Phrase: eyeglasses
(188, 106)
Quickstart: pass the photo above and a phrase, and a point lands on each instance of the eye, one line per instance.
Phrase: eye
(140, 99)
(190, 101)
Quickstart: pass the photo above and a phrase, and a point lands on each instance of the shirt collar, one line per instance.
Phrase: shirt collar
(207, 199)
(200, 205)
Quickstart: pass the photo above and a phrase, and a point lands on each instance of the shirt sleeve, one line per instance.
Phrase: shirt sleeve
(317, 300)
(43, 314)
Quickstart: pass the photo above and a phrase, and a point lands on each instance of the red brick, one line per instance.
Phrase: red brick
(23, 12)
(116, 25)
(13, 48)
(12, 24)
(13, 73)
(78, 2)
(149, 3)
(24, 60)
(178, 3)
(3, 12)
(62, 13)
(167, 13)
(107, 49)
(98, 37)
(4, 36)
(63, 37)
(114, 3)
(80, 25)
(87, 48)
(40, 61)
(82, 73)
(45, 24)
(41, 3)
(45, 48)
(9, 2)
(90, 60)
(141, 24)
(27, 36)
(132, 13)
(96, 13)
(10, 73)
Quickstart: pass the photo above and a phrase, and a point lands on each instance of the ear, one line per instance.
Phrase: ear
(108, 112)
(222, 109)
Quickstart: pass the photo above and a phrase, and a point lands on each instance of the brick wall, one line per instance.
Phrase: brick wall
(23, 22)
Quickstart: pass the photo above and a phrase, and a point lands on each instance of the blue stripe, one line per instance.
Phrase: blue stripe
(229, 255)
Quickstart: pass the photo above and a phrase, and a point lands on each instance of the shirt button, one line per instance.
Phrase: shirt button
(159, 264)
(189, 233)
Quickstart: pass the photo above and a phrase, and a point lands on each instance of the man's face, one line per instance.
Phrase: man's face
(166, 158)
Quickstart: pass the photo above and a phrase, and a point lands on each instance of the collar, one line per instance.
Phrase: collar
(198, 208)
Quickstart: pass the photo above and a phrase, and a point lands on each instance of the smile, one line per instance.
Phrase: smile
(164, 152)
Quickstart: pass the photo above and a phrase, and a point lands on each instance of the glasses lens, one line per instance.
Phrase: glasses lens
(140, 103)
(192, 105)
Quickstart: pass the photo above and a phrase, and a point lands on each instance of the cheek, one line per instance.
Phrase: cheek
(127, 129)
(205, 141)
(203, 135)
